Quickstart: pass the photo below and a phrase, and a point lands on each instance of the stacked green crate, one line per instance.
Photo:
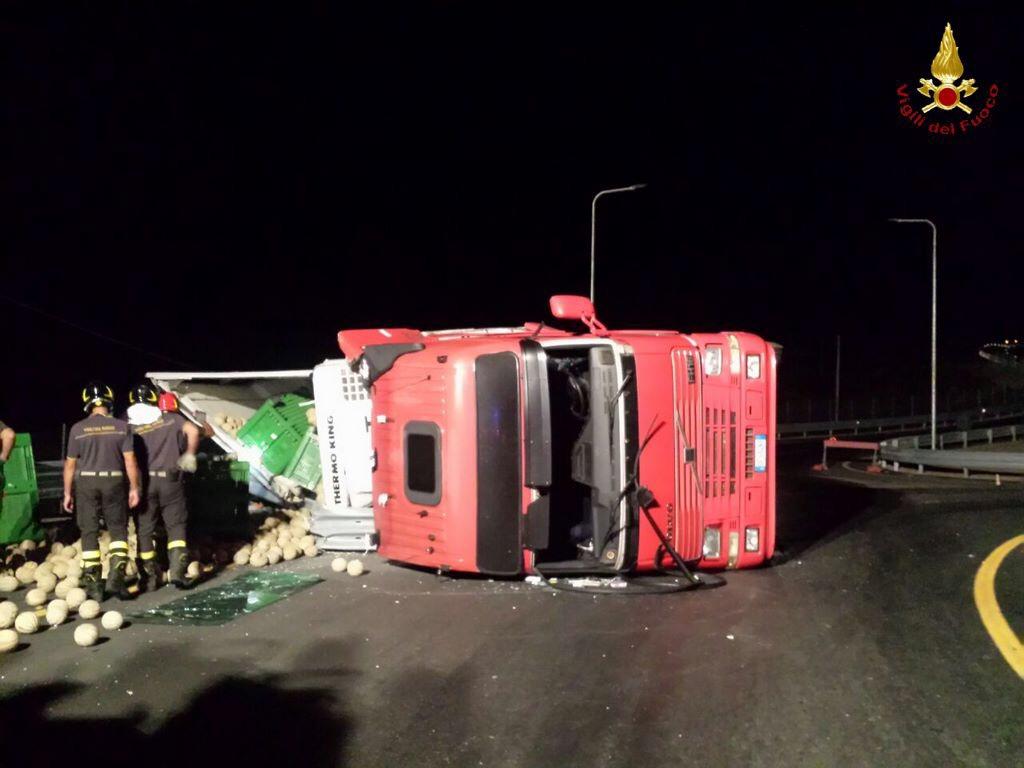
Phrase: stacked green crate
(218, 496)
(280, 432)
(20, 497)
(304, 468)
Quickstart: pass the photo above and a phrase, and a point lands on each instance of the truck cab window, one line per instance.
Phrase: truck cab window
(423, 462)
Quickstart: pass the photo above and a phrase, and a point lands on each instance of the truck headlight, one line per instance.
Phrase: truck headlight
(753, 366)
(752, 539)
(713, 360)
(712, 543)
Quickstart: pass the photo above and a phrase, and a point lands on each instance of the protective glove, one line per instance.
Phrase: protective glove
(187, 462)
(286, 488)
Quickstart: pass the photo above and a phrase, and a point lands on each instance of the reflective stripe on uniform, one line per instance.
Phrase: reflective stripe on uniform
(86, 473)
(119, 545)
(147, 555)
(91, 555)
(178, 543)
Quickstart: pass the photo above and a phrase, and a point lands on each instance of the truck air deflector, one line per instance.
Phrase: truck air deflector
(378, 359)
(537, 417)
(499, 481)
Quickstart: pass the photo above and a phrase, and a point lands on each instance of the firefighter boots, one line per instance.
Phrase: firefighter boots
(117, 579)
(178, 572)
(149, 575)
(92, 582)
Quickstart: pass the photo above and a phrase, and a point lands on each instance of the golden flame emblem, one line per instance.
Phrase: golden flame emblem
(947, 69)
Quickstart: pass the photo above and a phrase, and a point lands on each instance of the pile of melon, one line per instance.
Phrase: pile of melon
(56, 572)
(49, 576)
(282, 536)
(230, 424)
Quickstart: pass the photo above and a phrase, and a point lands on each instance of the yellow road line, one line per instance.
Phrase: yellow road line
(985, 598)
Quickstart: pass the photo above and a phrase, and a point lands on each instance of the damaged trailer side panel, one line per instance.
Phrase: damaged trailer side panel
(344, 519)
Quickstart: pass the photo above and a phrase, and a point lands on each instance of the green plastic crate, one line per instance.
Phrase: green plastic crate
(20, 469)
(277, 430)
(18, 519)
(263, 427)
(20, 497)
(272, 435)
(305, 468)
(217, 469)
(218, 497)
(239, 472)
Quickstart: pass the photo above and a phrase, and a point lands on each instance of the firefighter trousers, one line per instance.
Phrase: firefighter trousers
(164, 499)
(96, 497)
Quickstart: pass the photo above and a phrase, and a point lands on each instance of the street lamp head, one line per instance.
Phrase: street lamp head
(914, 221)
(593, 224)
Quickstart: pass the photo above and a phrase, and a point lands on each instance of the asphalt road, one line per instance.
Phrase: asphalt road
(862, 646)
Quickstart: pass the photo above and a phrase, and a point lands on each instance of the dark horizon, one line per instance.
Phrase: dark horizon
(228, 187)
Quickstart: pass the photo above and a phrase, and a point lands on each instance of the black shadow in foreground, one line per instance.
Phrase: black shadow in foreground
(241, 721)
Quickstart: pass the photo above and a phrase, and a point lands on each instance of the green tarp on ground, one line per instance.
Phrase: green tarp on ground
(244, 594)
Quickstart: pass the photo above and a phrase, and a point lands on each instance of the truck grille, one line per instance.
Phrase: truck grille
(720, 452)
(749, 453)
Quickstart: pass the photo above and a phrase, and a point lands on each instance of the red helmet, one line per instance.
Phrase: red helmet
(167, 402)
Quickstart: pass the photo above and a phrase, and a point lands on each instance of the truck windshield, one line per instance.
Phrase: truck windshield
(579, 391)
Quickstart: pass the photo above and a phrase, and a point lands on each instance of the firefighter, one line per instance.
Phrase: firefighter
(100, 457)
(167, 445)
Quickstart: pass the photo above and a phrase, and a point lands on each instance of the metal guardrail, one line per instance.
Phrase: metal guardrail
(813, 430)
(50, 479)
(917, 451)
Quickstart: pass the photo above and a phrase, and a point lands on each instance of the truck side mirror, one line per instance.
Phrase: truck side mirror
(568, 307)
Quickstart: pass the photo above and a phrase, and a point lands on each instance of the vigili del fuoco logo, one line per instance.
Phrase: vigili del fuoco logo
(947, 68)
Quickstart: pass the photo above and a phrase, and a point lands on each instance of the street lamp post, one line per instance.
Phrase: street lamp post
(593, 225)
(935, 266)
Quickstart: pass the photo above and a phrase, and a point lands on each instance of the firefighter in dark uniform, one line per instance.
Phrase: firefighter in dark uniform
(167, 448)
(100, 458)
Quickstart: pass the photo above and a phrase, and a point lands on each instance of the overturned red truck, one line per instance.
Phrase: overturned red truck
(509, 451)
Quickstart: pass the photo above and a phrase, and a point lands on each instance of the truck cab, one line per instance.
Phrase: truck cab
(506, 451)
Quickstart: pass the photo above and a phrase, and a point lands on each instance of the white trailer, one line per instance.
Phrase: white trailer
(343, 519)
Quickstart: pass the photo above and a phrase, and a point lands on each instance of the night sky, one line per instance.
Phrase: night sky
(227, 187)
